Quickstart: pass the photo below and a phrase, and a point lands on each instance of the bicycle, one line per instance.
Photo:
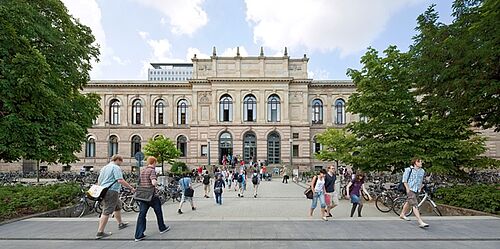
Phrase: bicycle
(422, 198)
(86, 206)
(385, 200)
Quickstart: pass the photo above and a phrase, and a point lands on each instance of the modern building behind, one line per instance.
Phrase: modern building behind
(260, 108)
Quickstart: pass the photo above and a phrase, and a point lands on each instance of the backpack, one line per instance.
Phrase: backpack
(401, 187)
(240, 178)
(255, 179)
(206, 179)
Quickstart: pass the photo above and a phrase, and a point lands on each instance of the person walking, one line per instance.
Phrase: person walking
(111, 176)
(285, 175)
(413, 178)
(147, 178)
(255, 182)
(242, 185)
(219, 186)
(318, 188)
(206, 184)
(354, 189)
(331, 197)
(185, 183)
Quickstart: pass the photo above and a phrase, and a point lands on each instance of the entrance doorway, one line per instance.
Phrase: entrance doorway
(225, 147)
(249, 147)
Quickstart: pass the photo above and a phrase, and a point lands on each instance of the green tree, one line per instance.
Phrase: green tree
(338, 145)
(163, 149)
(383, 96)
(45, 57)
(458, 64)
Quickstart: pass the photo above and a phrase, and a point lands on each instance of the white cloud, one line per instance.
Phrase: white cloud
(192, 51)
(143, 34)
(161, 52)
(185, 17)
(323, 25)
(88, 13)
(229, 52)
(120, 61)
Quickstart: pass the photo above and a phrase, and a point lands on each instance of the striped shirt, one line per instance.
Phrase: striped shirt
(147, 175)
(416, 178)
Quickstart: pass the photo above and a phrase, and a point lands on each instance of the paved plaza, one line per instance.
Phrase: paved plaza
(276, 219)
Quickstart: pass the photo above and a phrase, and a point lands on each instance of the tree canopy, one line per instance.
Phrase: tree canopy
(458, 64)
(45, 57)
(163, 149)
(338, 145)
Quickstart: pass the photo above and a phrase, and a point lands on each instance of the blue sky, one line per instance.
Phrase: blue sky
(333, 33)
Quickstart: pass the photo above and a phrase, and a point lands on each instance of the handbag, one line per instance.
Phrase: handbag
(97, 192)
(401, 186)
(144, 193)
(308, 193)
(189, 192)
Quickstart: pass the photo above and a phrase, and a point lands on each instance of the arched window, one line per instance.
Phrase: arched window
(226, 108)
(136, 112)
(182, 145)
(316, 146)
(114, 112)
(113, 145)
(249, 147)
(317, 111)
(340, 111)
(90, 147)
(182, 112)
(273, 148)
(136, 145)
(160, 112)
(273, 108)
(250, 108)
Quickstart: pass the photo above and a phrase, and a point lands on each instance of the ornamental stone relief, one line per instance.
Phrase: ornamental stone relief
(204, 97)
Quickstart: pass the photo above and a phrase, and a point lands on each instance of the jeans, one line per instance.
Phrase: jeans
(218, 198)
(321, 196)
(143, 210)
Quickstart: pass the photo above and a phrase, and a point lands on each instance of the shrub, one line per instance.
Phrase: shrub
(179, 167)
(17, 201)
(478, 197)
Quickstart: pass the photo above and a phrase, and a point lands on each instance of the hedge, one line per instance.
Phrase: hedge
(479, 197)
(17, 201)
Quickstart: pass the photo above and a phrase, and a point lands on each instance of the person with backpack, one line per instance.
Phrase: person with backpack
(318, 188)
(255, 182)
(206, 184)
(354, 189)
(235, 179)
(242, 183)
(219, 185)
(413, 178)
(184, 184)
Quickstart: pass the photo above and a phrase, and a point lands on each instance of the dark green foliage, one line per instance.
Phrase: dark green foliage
(457, 65)
(179, 168)
(478, 197)
(45, 56)
(17, 201)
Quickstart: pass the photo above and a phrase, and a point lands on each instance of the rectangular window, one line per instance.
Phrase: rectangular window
(204, 150)
(160, 118)
(295, 135)
(317, 147)
(250, 115)
(295, 150)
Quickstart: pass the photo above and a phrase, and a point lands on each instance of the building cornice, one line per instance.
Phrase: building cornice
(330, 83)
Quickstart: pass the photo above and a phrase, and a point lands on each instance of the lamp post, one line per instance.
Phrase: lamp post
(208, 152)
(291, 152)
(108, 140)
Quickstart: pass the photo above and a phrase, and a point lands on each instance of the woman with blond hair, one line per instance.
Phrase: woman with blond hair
(148, 179)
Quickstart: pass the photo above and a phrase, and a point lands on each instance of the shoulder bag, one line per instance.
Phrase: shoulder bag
(144, 193)
(97, 192)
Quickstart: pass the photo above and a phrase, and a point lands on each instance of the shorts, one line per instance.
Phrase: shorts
(332, 199)
(111, 202)
(186, 198)
(411, 198)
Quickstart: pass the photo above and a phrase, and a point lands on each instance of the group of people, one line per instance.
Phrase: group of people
(324, 191)
(322, 186)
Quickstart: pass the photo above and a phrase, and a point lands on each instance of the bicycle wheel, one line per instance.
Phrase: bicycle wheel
(365, 196)
(383, 203)
(398, 204)
(79, 210)
(436, 211)
(98, 207)
(126, 204)
(134, 205)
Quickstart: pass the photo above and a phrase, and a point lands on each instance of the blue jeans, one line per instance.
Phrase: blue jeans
(218, 198)
(143, 210)
(321, 196)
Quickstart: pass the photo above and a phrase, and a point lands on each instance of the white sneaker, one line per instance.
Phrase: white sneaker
(423, 225)
(404, 218)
